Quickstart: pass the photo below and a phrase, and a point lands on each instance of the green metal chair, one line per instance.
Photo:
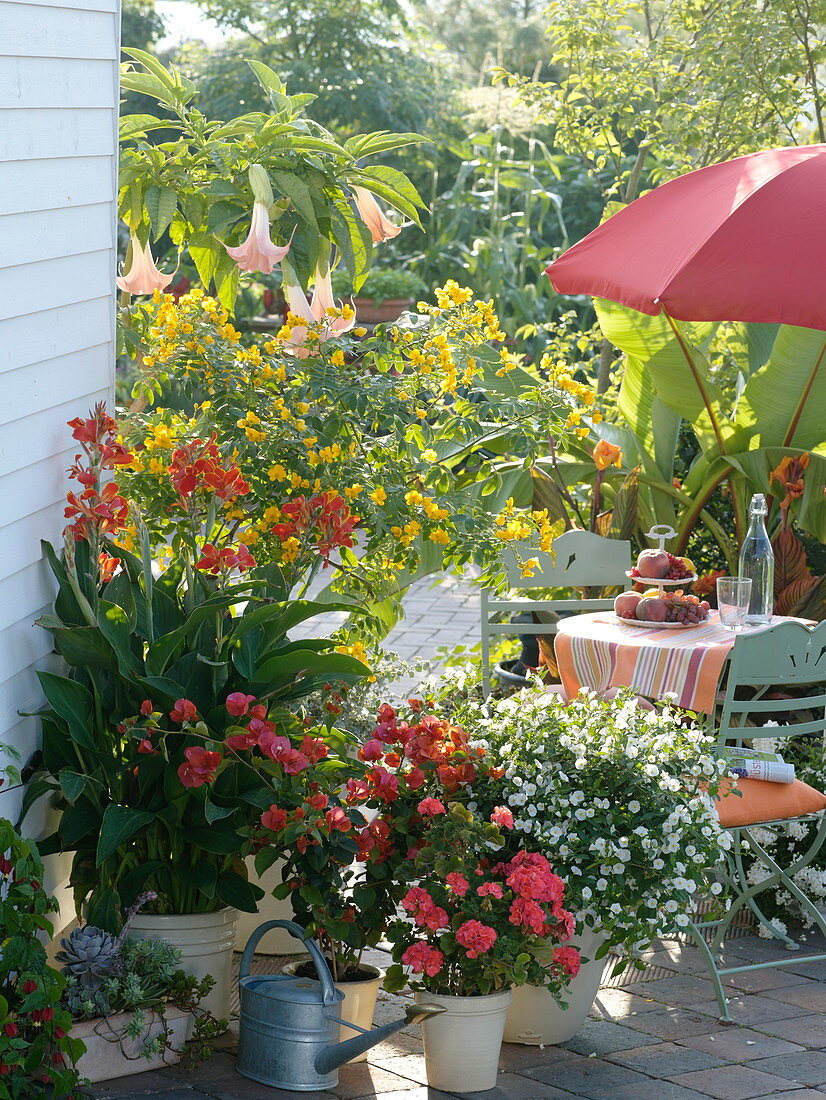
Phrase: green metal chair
(580, 559)
(787, 655)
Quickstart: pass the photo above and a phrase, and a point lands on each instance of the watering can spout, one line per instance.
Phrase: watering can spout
(332, 1057)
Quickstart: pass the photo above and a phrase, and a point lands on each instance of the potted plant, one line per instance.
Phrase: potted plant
(476, 925)
(420, 772)
(620, 800)
(384, 295)
(38, 1053)
(171, 731)
(132, 1005)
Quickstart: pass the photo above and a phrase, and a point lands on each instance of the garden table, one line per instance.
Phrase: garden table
(598, 651)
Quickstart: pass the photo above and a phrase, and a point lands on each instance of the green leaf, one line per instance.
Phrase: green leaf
(220, 839)
(297, 191)
(132, 126)
(204, 252)
(683, 383)
(118, 825)
(280, 670)
(656, 427)
(235, 891)
(782, 403)
(116, 628)
(79, 646)
(353, 239)
(161, 204)
(73, 703)
(382, 141)
(72, 784)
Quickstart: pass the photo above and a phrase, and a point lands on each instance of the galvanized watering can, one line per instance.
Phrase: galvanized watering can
(290, 1025)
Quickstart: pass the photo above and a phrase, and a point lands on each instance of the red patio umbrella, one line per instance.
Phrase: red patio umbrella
(744, 240)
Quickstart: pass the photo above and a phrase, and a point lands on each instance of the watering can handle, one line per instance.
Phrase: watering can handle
(328, 990)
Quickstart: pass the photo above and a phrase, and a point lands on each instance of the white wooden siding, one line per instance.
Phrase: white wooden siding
(58, 165)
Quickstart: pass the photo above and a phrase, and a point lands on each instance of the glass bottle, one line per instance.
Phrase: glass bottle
(757, 562)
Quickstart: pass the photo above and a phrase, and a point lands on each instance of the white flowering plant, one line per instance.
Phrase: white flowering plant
(619, 799)
(787, 842)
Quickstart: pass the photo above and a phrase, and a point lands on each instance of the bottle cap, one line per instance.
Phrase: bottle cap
(758, 505)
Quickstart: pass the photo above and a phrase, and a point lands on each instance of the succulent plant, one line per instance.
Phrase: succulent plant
(89, 955)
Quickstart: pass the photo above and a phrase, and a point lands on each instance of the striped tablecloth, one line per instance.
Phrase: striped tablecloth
(599, 652)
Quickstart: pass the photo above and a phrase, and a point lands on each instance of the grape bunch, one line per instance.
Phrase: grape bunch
(678, 570)
(687, 610)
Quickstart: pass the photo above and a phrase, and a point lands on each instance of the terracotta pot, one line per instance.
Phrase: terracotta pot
(372, 312)
(462, 1044)
(110, 1053)
(206, 941)
(359, 1004)
(535, 1018)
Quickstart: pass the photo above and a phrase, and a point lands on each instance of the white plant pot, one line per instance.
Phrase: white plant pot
(535, 1018)
(359, 1004)
(279, 941)
(206, 942)
(462, 1044)
(109, 1053)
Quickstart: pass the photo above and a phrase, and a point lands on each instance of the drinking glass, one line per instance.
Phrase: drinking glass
(733, 596)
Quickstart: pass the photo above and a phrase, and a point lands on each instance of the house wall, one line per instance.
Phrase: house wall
(58, 171)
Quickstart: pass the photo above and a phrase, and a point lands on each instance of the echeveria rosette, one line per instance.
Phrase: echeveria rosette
(620, 801)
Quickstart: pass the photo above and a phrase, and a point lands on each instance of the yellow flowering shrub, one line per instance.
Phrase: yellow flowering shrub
(421, 438)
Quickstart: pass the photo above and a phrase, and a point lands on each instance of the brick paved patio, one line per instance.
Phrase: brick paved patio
(648, 1040)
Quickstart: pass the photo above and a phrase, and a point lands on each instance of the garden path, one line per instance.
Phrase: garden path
(647, 1040)
(440, 611)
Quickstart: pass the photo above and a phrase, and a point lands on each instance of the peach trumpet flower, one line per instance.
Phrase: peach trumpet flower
(381, 228)
(258, 253)
(142, 277)
(321, 317)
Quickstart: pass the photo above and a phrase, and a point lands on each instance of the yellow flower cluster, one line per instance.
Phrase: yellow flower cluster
(559, 374)
(511, 527)
(247, 423)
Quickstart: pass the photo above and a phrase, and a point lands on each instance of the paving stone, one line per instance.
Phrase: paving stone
(362, 1079)
(740, 1044)
(617, 1004)
(139, 1084)
(806, 1067)
(510, 1086)
(733, 1082)
(682, 959)
(603, 1037)
(666, 1060)
(656, 1090)
(808, 1030)
(418, 1092)
(241, 1088)
(515, 1057)
(683, 990)
(816, 970)
(751, 1010)
(799, 1094)
(670, 1024)
(219, 1064)
(758, 981)
(589, 1077)
(170, 1094)
(409, 1066)
(811, 997)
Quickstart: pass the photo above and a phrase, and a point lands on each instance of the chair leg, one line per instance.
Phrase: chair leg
(714, 971)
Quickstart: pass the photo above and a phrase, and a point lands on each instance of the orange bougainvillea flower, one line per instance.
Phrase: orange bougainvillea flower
(606, 454)
(789, 473)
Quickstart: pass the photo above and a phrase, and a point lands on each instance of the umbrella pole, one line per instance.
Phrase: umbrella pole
(698, 381)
